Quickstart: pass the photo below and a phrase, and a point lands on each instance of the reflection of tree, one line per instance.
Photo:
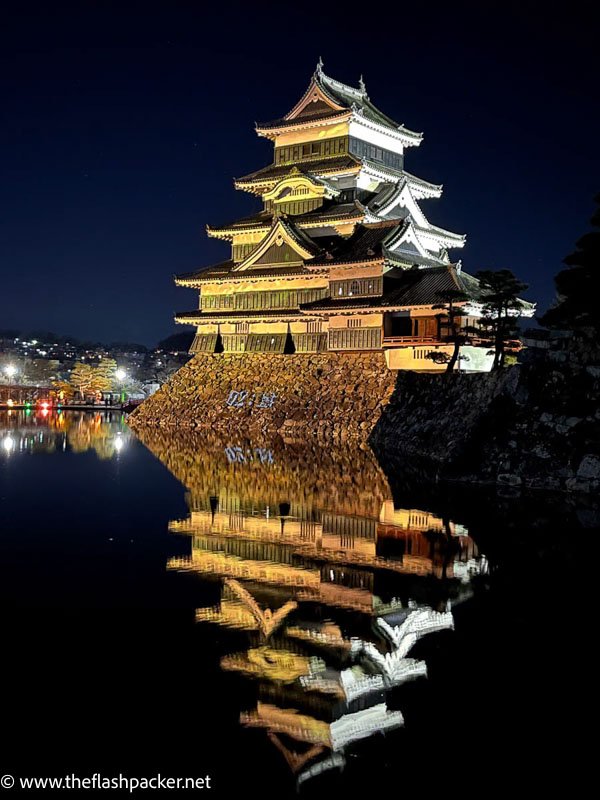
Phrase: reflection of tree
(92, 432)
(46, 432)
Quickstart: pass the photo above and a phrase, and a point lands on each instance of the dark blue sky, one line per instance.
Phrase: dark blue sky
(123, 125)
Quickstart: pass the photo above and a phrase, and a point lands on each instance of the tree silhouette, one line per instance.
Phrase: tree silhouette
(577, 286)
(450, 319)
(499, 322)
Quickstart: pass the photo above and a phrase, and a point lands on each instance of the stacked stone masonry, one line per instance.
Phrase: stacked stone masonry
(339, 395)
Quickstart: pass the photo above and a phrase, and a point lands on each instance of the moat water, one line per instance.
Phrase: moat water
(284, 618)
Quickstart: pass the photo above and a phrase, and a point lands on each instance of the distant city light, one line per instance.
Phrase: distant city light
(10, 370)
(10, 402)
(120, 374)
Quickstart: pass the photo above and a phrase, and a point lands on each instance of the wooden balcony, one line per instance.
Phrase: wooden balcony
(404, 341)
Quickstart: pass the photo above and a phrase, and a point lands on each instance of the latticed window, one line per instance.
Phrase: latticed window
(242, 327)
(362, 339)
(363, 287)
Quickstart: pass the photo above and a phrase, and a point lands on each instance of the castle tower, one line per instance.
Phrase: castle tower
(340, 256)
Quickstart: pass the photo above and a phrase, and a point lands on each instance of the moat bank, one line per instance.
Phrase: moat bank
(535, 425)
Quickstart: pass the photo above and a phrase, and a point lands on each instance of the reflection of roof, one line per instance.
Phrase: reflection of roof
(321, 166)
(413, 287)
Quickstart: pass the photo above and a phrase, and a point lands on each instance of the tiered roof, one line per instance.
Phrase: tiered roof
(263, 220)
(407, 288)
(327, 100)
(338, 165)
(380, 224)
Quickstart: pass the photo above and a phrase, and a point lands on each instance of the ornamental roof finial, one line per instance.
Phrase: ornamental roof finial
(362, 86)
(319, 69)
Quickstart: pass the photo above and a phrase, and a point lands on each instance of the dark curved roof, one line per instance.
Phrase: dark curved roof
(411, 287)
(208, 273)
(320, 166)
(342, 95)
(265, 218)
(365, 244)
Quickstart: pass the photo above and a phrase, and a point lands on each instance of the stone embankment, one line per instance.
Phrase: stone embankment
(332, 395)
(534, 425)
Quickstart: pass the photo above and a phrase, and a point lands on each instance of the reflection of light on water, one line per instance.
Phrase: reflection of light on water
(8, 443)
(119, 443)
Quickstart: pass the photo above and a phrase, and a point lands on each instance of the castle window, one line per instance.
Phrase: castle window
(305, 149)
(354, 287)
(316, 148)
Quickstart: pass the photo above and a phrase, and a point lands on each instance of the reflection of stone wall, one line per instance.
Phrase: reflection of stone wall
(330, 394)
(345, 479)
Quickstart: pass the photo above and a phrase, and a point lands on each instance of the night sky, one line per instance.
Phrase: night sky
(123, 126)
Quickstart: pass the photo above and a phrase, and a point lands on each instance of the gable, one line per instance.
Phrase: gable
(314, 103)
(295, 187)
(278, 253)
(281, 247)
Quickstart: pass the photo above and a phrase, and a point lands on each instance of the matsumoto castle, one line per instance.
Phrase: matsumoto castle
(340, 257)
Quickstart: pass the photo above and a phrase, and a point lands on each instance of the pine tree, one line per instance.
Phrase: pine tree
(451, 321)
(577, 286)
(499, 323)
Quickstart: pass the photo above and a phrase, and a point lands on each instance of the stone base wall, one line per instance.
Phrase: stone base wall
(535, 425)
(338, 395)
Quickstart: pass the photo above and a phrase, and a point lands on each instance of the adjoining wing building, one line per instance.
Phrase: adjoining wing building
(341, 256)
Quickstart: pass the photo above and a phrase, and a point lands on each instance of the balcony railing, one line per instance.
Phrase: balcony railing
(399, 341)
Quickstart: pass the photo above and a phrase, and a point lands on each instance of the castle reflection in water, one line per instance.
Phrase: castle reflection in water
(330, 584)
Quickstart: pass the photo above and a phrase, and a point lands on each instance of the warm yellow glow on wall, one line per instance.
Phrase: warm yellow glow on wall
(313, 134)
(271, 284)
(366, 320)
(249, 238)
(352, 271)
(414, 358)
